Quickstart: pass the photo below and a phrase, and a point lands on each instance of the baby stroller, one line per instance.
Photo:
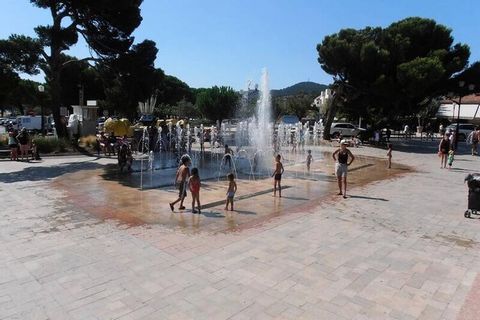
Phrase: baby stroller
(473, 182)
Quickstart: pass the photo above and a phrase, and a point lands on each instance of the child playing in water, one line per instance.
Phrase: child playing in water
(451, 156)
(389, 155)
(183, 173)
(309, 159)
(194, 186)
(277, 174)
(232, 189)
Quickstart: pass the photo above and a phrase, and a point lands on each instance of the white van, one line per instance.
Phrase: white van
(34, 123)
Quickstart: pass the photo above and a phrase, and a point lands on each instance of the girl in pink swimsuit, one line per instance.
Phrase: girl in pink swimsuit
(194, 185)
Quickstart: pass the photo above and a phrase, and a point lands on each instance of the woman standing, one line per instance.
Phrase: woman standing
(24, 140)
(443, 149)
(13, 145)
(343, 158)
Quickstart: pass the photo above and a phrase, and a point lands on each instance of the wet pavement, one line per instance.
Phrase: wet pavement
(108, 194)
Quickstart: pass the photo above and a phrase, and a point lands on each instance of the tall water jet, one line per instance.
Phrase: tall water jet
(261, 136)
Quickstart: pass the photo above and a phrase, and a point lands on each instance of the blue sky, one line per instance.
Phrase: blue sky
(228, 42)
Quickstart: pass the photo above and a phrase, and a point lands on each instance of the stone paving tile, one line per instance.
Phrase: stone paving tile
(405, 258)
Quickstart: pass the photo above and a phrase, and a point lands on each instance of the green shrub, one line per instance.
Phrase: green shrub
(51, 144)
(3, 140)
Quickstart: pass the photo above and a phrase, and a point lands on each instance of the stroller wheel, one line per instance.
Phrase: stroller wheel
(467, 214)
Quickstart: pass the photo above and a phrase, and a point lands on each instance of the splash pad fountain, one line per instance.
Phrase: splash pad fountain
(256, 141)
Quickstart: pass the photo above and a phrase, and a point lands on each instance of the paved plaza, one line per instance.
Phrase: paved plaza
(397, 248)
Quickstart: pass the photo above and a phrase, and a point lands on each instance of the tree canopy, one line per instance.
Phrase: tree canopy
(385, 73)
(131, 77)
(105, 25)
(217, 103)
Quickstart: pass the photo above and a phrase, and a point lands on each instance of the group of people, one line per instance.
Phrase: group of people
(20, 142)
(447, 147)
(473, 139)
(186, 179)
(107, 144)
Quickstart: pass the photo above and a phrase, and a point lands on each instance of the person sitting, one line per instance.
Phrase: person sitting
(112, 143)
(103, 142)
(125, 157)
(35, 153)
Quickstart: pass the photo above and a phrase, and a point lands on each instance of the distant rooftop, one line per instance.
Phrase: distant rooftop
(470, 99)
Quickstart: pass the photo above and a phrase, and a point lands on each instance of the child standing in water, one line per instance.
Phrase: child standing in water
(232, 189)
(389, 155)
(194, 186)
(309, 159)
(451, 156)
(277, 174)
(181, 179)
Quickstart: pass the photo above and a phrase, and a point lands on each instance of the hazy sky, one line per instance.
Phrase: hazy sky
(228, 42)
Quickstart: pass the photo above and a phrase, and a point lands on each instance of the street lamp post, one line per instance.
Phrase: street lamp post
(461, 84)
(41, 89)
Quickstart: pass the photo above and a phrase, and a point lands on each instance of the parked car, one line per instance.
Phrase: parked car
(345, 129)
(289, 119)
(146, 119)
(463, 130)
(11, 121)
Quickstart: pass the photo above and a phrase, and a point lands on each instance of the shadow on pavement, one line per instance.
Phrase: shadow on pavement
(424, 147)
(461, 169)
(295, 198)
(44, 173)
(211, 214)
(245, 212)
(368, 198)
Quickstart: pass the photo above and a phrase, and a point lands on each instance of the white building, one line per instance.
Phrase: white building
(320, 101)
(469, 108)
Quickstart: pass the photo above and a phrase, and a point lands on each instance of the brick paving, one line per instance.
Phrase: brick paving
(397, 249)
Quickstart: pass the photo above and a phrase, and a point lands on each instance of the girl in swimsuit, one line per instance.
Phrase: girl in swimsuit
(194, 186)
(443, 149)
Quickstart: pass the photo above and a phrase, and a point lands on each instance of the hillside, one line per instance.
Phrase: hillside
(306, 87)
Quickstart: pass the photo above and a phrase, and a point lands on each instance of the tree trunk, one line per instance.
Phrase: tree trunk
(53, 76)
(331, 112)
(55, 92)
(60, 125)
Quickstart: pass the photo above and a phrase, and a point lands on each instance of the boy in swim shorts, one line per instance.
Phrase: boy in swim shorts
(232, 189)
(277, 176)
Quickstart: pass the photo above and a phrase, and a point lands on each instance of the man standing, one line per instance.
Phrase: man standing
(475, 137)
(406, 131)
(343, 158)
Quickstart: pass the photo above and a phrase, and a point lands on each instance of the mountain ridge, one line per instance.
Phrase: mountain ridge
(305, 87)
